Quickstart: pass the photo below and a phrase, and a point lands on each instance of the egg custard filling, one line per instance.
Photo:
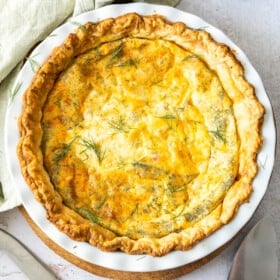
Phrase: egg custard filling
(140, 135)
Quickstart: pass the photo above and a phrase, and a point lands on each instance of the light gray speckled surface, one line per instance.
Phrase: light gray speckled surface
(254, 25)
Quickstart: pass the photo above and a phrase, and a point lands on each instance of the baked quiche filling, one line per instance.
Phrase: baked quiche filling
(141, 140)
(147, 142)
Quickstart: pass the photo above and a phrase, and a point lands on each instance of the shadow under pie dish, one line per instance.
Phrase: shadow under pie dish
(140, 134)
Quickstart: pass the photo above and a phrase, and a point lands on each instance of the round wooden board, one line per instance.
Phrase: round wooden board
(117, 274)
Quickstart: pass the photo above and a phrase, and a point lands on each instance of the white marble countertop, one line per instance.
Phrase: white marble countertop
(254, 25)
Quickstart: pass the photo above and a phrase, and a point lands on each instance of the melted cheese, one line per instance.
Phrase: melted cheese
(139, 137)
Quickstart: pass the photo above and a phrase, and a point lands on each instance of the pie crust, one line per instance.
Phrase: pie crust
(139, 134)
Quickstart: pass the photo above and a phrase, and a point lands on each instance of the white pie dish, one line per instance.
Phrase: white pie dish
(118, 260)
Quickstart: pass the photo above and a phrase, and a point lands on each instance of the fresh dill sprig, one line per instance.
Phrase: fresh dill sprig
(202, 27)
(79, 25)
(97, 55)
(263, 162)
(217, 134)
(168, 117)
(14, 92)
(180, 109)
(33, 63)
(62, 153)
(102, 202)
(52, 35)
(190, 56)
(119, 125)
(88, 214)
(64, 150)
(138, 164)
(172, 120)
(148, 171)
(127, 63)
(175, 189)
(115, 55)
(92, 217)
(91, 145)
(135, 210)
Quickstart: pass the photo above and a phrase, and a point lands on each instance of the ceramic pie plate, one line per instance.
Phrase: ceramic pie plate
(119, 260)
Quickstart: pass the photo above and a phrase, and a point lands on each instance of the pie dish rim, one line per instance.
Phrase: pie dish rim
(168, 11)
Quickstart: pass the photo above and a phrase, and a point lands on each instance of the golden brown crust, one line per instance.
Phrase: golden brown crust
(248, 113)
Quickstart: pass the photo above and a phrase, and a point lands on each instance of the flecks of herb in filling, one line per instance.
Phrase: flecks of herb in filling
(88, 214)
(217, 134)
(119, 125)
(91, 145)
(115, 55)
(127, 63)
(63, 151)
(102, 202)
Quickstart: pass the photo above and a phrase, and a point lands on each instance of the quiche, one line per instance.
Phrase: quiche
(140, 134)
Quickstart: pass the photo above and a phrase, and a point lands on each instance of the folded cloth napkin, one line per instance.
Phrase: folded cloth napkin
(23, 23)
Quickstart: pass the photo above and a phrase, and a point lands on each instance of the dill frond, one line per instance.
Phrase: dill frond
(115, 55)
(63, 151)
(88, 214)
(127, 63)
(217, 134)
(14, 92)
(33, 63)
(168, 117)
(91, 145)
(119, 125)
